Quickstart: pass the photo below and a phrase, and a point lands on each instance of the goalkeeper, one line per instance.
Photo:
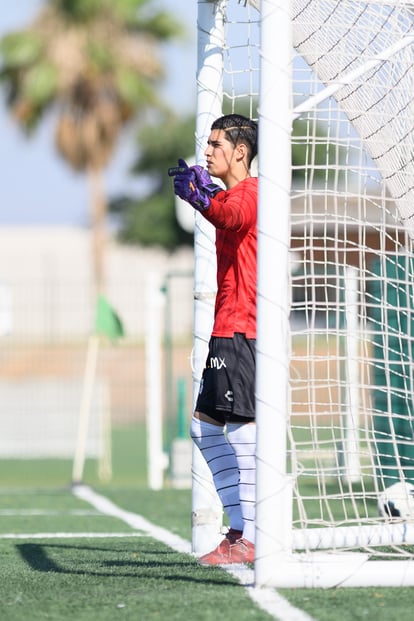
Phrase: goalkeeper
(226, 400)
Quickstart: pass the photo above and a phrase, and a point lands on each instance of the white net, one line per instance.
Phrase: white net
(365, 50)
(351, 319)
(351, 425)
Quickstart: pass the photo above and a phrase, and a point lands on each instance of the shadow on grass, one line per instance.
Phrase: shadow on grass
(96, 561)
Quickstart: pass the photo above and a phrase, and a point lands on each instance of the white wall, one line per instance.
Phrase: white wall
(47, 273)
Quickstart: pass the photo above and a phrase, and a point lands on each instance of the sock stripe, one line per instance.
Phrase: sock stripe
(222, 462)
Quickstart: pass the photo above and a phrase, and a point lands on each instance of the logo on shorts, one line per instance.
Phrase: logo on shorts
(217, 363)
(229, 395)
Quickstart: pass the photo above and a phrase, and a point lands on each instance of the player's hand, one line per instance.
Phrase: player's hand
(185, 186)
(205, 182)
(181, 169)
(193, 184)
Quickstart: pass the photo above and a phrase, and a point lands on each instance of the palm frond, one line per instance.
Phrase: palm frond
(97, 59)
(41, 83)
(20, 49)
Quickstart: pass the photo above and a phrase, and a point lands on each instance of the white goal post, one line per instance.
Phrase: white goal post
(332, 85)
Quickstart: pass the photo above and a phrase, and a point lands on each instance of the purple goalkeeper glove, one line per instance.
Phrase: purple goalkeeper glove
(193, 184)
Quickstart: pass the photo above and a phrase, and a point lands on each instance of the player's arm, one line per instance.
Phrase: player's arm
(236, 211)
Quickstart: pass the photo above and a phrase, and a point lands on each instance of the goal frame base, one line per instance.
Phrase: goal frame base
(332, 570)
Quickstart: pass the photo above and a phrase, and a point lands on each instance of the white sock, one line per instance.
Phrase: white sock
(222, 462)
(242, 438)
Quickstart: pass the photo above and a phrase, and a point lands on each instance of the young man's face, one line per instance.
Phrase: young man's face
(219, 154)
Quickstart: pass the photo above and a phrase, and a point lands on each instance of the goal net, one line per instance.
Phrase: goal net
(332, 84)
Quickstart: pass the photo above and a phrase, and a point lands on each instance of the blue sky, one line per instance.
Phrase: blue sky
(37, 187)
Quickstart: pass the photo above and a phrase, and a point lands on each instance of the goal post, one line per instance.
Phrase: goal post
(273, 527)
(332, 85)
(207, 512)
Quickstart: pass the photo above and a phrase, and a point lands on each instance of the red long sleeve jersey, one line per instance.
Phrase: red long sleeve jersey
(234, 214)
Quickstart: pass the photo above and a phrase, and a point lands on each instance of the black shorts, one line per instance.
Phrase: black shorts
(227, 389)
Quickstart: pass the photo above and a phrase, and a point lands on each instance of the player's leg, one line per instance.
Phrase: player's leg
(242, 439)
(208, 434)
(238, 546)
(239, 382)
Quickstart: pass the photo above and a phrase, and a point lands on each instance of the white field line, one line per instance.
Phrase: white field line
(267, 599)
(68, 535)
(137, 522)
(33, 512)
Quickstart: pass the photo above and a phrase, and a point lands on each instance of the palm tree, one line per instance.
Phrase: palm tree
(96, 62)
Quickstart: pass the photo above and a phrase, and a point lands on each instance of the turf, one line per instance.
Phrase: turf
(354, 604)
(107, 579)
(132, 578)
(86, 579)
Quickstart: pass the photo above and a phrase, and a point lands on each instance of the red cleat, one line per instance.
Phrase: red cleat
(222, 550)
(241, 551)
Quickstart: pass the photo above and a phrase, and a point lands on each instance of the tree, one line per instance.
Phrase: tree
(151, 220)
(96, 62)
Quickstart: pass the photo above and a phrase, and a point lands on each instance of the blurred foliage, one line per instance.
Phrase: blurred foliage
(97, 61)
(151, 220)
(315, 159)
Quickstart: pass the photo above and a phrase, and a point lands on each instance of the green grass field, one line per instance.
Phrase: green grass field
(62, 560)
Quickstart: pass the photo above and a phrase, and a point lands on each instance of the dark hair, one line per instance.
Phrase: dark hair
(239, 129)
